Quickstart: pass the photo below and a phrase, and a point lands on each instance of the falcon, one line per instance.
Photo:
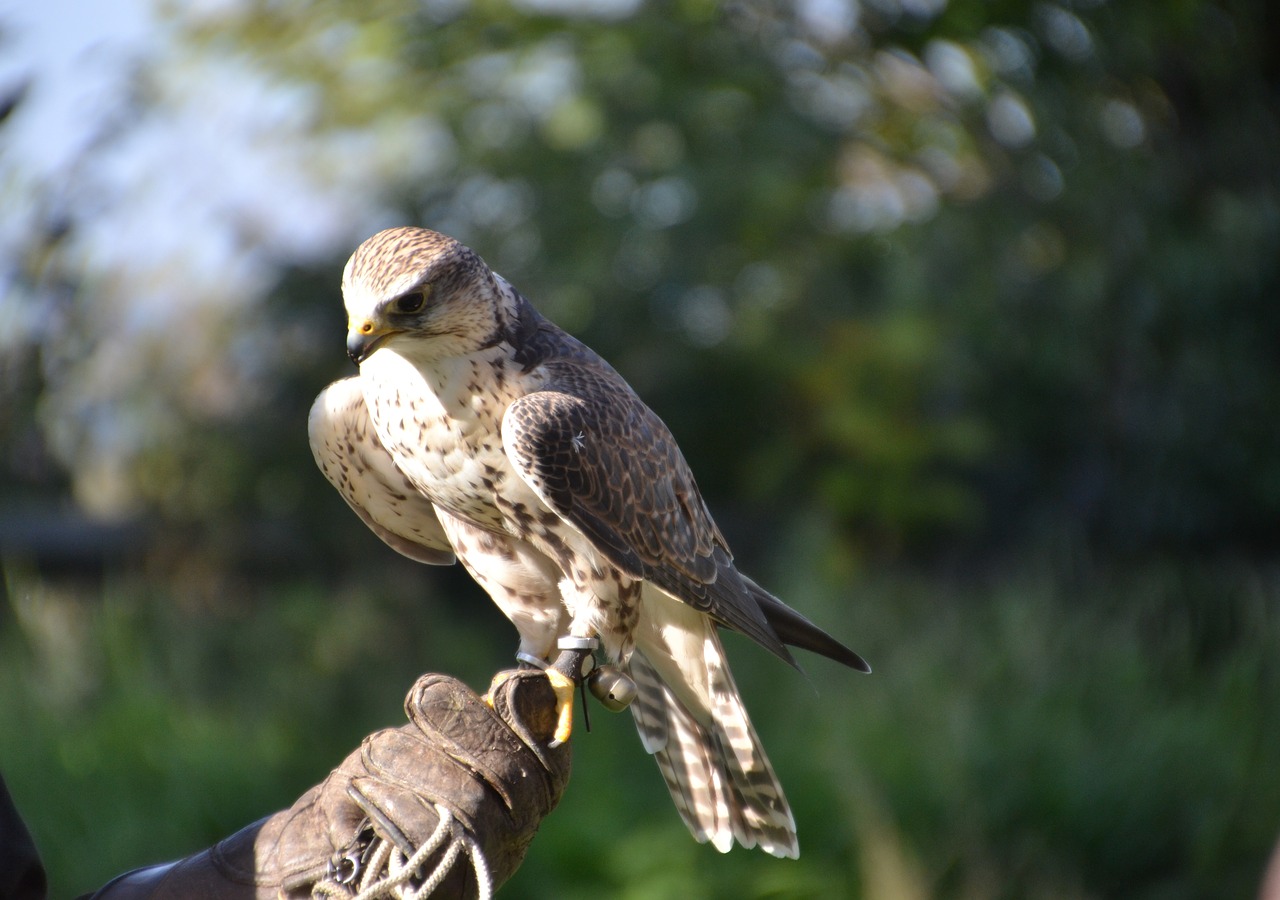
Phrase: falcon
(478, 431)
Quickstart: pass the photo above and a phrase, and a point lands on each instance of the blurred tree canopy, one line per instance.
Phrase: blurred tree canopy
(913, 281)
(974, 267)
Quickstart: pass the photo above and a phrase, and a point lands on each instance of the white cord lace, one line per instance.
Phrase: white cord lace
(390, 874)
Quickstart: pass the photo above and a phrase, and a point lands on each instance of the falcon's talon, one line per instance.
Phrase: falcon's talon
(565, 674)
(563, 686)
(493, 687)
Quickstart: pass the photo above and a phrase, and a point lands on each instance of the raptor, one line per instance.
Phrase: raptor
(478, 431)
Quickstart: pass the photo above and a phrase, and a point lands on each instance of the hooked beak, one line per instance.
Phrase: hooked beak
(363, 337)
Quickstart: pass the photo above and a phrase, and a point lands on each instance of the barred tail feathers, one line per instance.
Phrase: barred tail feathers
(689, 764)
(692, 719)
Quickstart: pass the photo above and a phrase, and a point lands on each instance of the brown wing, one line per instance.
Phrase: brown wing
(608, 465)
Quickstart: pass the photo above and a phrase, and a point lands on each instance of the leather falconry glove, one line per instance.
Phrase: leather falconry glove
(445, 806)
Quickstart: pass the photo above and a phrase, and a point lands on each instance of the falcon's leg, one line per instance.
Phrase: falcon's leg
(520, 579)
(606, 605)
(565, 675)
(526, 660)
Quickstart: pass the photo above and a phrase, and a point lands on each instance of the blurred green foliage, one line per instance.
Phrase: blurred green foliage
(964, 314)
(1043, 732)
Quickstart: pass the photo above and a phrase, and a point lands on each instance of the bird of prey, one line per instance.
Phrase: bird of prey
(479, 431)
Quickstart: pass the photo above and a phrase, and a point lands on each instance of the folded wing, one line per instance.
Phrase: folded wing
(348, 452)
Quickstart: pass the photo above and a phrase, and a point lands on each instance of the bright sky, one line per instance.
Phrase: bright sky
(213, 178)
(74, 54)
(182, 213)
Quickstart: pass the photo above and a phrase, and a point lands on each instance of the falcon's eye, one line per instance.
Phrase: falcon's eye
(410, 303)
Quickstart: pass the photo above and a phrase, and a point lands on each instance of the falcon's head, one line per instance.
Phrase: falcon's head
(421, 293)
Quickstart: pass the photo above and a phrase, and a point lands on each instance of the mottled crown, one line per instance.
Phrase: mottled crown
(397, 260)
